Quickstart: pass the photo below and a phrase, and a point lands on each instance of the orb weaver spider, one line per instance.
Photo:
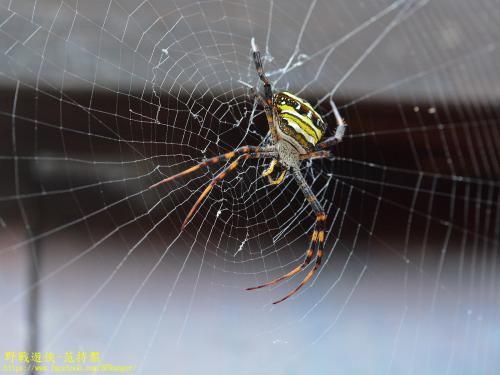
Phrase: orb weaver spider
(296, 134)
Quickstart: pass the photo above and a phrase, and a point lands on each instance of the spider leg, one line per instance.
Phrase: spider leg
(317, 240)
(220, 177)
(320, 220)
(267, 100)
(316, 155)
(307, 260)
(327, 143)
(339, 131)
(216, 160)
(268, 110)
(320, 224)
(270, 169)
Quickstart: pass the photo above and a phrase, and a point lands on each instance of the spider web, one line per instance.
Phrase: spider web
(102, 99)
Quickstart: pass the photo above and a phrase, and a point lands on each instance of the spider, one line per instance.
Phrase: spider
(297, 132)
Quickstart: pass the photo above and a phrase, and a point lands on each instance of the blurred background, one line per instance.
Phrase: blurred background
(101, 99)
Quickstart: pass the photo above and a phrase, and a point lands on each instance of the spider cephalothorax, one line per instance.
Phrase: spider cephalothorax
(296, 131)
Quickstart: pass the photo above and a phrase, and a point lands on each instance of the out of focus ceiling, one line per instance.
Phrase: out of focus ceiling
(442, 49)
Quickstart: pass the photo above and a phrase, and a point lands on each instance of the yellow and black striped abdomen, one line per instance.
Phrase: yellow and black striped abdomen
(299, 123)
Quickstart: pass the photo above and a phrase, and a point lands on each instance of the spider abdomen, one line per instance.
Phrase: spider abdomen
(299, 123)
